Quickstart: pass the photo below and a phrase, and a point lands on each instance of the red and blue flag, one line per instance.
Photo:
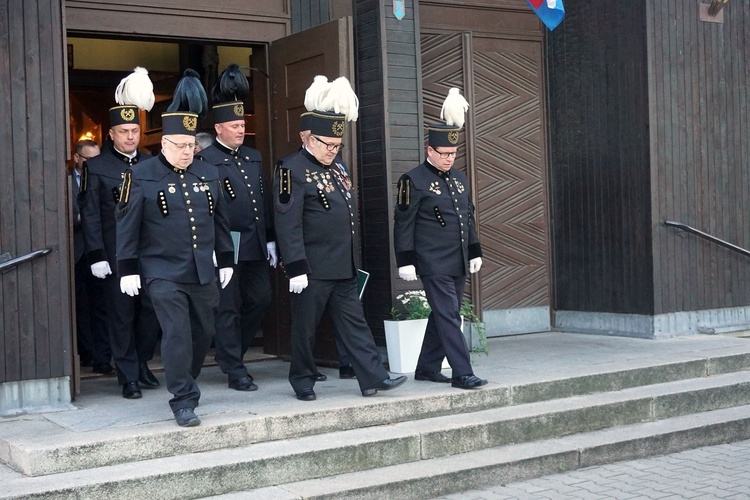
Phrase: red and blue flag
(551, 12)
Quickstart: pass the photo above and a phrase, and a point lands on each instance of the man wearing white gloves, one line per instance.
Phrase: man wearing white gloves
(171, 219)
(242, 304)
(133, 328)
(315, 215)
(435, 239)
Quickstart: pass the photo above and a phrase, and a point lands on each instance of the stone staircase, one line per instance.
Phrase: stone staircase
(425, 441)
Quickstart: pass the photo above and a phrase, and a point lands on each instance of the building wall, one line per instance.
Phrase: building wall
(35, 313)
(600, 165)
(700, 144)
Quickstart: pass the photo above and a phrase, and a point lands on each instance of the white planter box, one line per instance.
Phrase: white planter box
(404, 342)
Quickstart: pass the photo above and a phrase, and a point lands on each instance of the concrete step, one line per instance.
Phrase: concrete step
(295, 459)
(517, 462)
(41, 447)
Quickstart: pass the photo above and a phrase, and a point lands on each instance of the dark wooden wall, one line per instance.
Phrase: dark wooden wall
(600, 166)
(390, 136)
(35, 327)
(307, 14)
(700, 143)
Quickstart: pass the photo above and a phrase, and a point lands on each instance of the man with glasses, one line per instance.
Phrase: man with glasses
(171, 220)
(133, 327)
(435, 238)
(315, 216)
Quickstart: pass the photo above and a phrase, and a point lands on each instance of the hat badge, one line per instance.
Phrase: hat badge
(337, 128)
(127, 114)
(453, 137)
(239, 110)
(190, 123)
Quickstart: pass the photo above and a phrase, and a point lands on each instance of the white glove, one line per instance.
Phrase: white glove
(407, 273)
(475, 264)
(216, 264)
(130, 284)
(225, 275)
(101, 269)
(298, 283)
(273, 258)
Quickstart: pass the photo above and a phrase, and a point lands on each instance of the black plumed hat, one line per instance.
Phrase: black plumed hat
(189, 103)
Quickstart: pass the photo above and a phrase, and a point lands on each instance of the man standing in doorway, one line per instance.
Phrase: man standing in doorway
(435, 238)
(243, 303)
(133, 328)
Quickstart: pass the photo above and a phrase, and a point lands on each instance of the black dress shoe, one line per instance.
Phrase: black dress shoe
(105, 369)
(385, 385)
(147, 378)
(131, 391)
(470, 381)
(347, 371)
(431, 376)
(319, 377)
(186, 417)
(243, 384)
(306, 395)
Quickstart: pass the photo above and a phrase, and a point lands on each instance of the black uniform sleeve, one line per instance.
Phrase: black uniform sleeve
(405, 216)
(91, 220)
(128, 215)
(475, 249)
(288, 197)
(223, 246)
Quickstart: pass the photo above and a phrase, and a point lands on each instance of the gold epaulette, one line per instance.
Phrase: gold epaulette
(403, 196)
(127, 180)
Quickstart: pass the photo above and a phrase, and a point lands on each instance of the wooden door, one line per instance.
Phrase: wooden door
(504, 156)
(294, 61)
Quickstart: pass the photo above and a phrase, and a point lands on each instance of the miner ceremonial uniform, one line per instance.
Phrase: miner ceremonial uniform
(169, 223)
(133, 328)
(435, 238)
(315, 215)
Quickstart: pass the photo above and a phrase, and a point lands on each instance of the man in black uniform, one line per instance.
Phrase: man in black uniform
(171, 219)
(435, 237)
(133, 327)
(243, 303)
(92, 331)
(314, 208)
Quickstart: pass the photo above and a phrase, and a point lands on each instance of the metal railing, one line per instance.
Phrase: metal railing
(12, 263)
(708, 237)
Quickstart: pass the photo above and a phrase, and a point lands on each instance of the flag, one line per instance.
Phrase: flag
(551, 12)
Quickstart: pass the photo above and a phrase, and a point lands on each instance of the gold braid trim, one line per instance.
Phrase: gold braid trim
(125, 188)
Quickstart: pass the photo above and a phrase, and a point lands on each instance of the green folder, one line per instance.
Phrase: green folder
(362, 277)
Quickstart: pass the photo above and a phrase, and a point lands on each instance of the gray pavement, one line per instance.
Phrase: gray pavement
(713, 472)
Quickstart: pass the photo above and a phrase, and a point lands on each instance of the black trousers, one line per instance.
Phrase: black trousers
(186, 315)
(350, 329)
(242, 308)
(92, 329)
(443, 337)
(133, 328)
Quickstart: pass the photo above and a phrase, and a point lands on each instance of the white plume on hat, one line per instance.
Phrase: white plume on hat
(341, 99)
(454, 108)
(136, 89)
(316, 92)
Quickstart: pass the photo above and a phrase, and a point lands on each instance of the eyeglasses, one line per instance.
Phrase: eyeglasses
(84, 157)
(333, 148)
(181, 145)
(445, 156)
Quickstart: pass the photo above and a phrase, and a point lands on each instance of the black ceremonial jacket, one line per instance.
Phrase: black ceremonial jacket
(247, 197)
(100, 190)
(315, 216)
(434, 226)
(170, 221)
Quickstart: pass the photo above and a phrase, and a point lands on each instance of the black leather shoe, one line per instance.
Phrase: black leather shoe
(306, 395)
(431, 376)
(347, 371)
(105, 369)
(147, 378)
(385, 385)
(319, 377)
(470, 381)
(243, 384)
(131, 391)
(186, 417)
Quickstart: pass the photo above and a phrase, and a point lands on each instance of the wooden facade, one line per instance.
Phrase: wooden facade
(35, 327)
(648, 122)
